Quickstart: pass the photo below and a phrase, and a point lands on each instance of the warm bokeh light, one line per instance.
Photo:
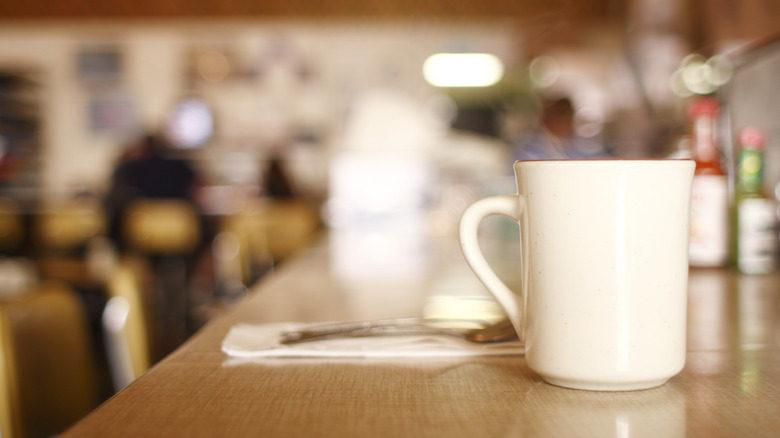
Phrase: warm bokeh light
(699, 75)
(190, 124)
(463, 70)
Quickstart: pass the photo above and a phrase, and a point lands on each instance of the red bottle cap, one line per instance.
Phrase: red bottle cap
(751, 137)
(703, 106)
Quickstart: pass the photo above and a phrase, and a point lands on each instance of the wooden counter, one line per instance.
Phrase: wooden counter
(729, 387)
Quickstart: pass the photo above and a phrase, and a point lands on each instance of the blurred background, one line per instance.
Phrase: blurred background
(285, 79)
(173, 153)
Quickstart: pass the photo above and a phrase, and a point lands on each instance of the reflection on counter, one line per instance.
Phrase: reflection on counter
(656, 412)
(758, 306)
(727, 302)
(710, 306)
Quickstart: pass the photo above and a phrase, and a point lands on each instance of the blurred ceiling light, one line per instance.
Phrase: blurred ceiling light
(698, 75)
(190, 124)
(463, 69)
(722, 69)
(678, 85)
(544, 71)
(588, 122)
(213, 66)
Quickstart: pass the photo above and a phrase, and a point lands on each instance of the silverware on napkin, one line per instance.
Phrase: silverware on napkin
(474, 331)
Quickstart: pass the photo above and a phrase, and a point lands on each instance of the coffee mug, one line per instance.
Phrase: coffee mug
(603, 268)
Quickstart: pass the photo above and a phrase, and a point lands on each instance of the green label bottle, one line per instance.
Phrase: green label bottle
(755, 213)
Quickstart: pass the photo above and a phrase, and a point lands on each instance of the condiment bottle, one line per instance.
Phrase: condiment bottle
(755, 218)
(709, 197)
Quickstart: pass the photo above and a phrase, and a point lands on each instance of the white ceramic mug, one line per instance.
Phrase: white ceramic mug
(604, 268)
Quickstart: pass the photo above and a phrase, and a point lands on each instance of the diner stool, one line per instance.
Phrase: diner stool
(62, 231)
(47, 369)
(161, 227)
(168, 233)
(126, 322)
(65, 232)
(241, 247)
(262, 234)
(290, 225)
(67, 224)
(11, 226)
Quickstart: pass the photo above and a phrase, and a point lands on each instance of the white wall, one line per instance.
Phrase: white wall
(347, 57)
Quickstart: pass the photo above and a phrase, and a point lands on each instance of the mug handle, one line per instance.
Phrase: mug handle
(513, 207)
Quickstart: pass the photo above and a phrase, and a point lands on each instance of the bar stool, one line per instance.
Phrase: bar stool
(241, 247)
(47, 369)
(11, 226)
(291, 225)
(62, 231)
(167, 232)
(126, 322)
(162, 227)
(265, 233)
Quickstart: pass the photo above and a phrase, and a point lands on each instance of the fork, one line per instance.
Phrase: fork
(486, 332)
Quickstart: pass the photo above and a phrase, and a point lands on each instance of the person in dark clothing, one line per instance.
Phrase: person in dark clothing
(146, 172)
(556, 138)
(277, 183)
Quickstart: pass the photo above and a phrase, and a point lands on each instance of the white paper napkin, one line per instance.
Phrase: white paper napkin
(259, 341)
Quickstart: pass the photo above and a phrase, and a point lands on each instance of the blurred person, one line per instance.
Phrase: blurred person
(556, 137)
(145, 171)
(276, 182)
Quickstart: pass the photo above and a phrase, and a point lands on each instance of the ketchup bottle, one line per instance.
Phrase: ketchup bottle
(709, 198)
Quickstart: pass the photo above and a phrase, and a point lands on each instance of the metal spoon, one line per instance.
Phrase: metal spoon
(493, 332)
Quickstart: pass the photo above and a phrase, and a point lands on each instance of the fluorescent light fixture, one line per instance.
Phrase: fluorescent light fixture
(463, 69)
